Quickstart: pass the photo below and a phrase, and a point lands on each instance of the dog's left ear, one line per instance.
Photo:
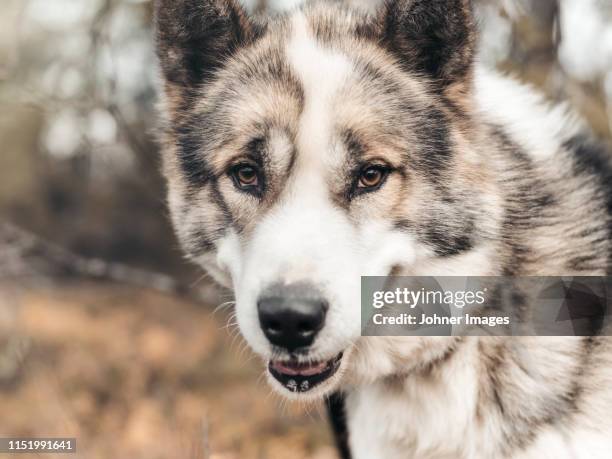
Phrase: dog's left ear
(432, 37)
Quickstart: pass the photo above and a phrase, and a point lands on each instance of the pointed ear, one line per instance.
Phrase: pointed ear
(194, 37)
(434, 37)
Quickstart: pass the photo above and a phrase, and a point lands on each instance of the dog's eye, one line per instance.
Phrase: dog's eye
(246, 177)
(372, 177)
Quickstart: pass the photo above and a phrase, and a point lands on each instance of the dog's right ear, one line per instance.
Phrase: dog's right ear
(195, 37)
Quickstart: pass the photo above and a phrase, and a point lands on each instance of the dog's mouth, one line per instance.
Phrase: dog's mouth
(303, 377)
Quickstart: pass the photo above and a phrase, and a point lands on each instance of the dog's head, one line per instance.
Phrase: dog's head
(317, 147)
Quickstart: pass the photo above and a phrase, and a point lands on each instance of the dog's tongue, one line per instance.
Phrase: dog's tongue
(301, 369)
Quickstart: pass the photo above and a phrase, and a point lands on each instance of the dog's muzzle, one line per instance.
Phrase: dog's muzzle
(290, 317)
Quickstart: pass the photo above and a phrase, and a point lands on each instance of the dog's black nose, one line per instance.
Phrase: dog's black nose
(291, 315)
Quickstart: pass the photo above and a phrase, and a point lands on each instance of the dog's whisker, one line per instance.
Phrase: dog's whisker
(226, 305)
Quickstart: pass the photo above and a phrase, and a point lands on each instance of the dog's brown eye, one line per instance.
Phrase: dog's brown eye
(246, 176)
(372, 177)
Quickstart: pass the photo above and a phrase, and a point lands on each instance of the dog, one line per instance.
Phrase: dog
(305, 150)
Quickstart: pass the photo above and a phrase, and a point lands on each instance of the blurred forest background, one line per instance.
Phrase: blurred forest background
(106, 334)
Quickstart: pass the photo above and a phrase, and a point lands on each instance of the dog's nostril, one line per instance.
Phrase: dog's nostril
(305, 327)
(291, 316)
(273, 326)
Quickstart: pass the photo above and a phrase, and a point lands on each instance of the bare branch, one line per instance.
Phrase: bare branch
(24, 254)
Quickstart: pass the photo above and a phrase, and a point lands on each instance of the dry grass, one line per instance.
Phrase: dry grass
(136, 374)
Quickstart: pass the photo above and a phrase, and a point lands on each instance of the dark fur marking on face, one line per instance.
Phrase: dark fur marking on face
(353, 163)
(202, 239)
(257, 151)
(217, 198)
(354, 145)
(256, 148)
(200, 137)
(430, 124)
(201, 242)
(435, 152)
(189, 153)
(356, 164)
(255, 157)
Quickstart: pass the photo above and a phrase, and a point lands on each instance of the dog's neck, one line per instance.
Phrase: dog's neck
(491, 393)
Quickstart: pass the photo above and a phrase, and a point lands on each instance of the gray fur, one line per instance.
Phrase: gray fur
(472, 191)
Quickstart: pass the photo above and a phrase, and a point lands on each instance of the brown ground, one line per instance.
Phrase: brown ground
(137, 374)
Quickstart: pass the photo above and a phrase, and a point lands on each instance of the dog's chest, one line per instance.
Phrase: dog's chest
(418, 420)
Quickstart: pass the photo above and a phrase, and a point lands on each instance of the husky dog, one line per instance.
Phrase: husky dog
(309, 149)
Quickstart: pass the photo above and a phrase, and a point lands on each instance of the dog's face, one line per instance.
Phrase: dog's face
(316, 148)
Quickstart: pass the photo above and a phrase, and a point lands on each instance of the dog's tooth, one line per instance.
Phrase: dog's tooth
(292, 385)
